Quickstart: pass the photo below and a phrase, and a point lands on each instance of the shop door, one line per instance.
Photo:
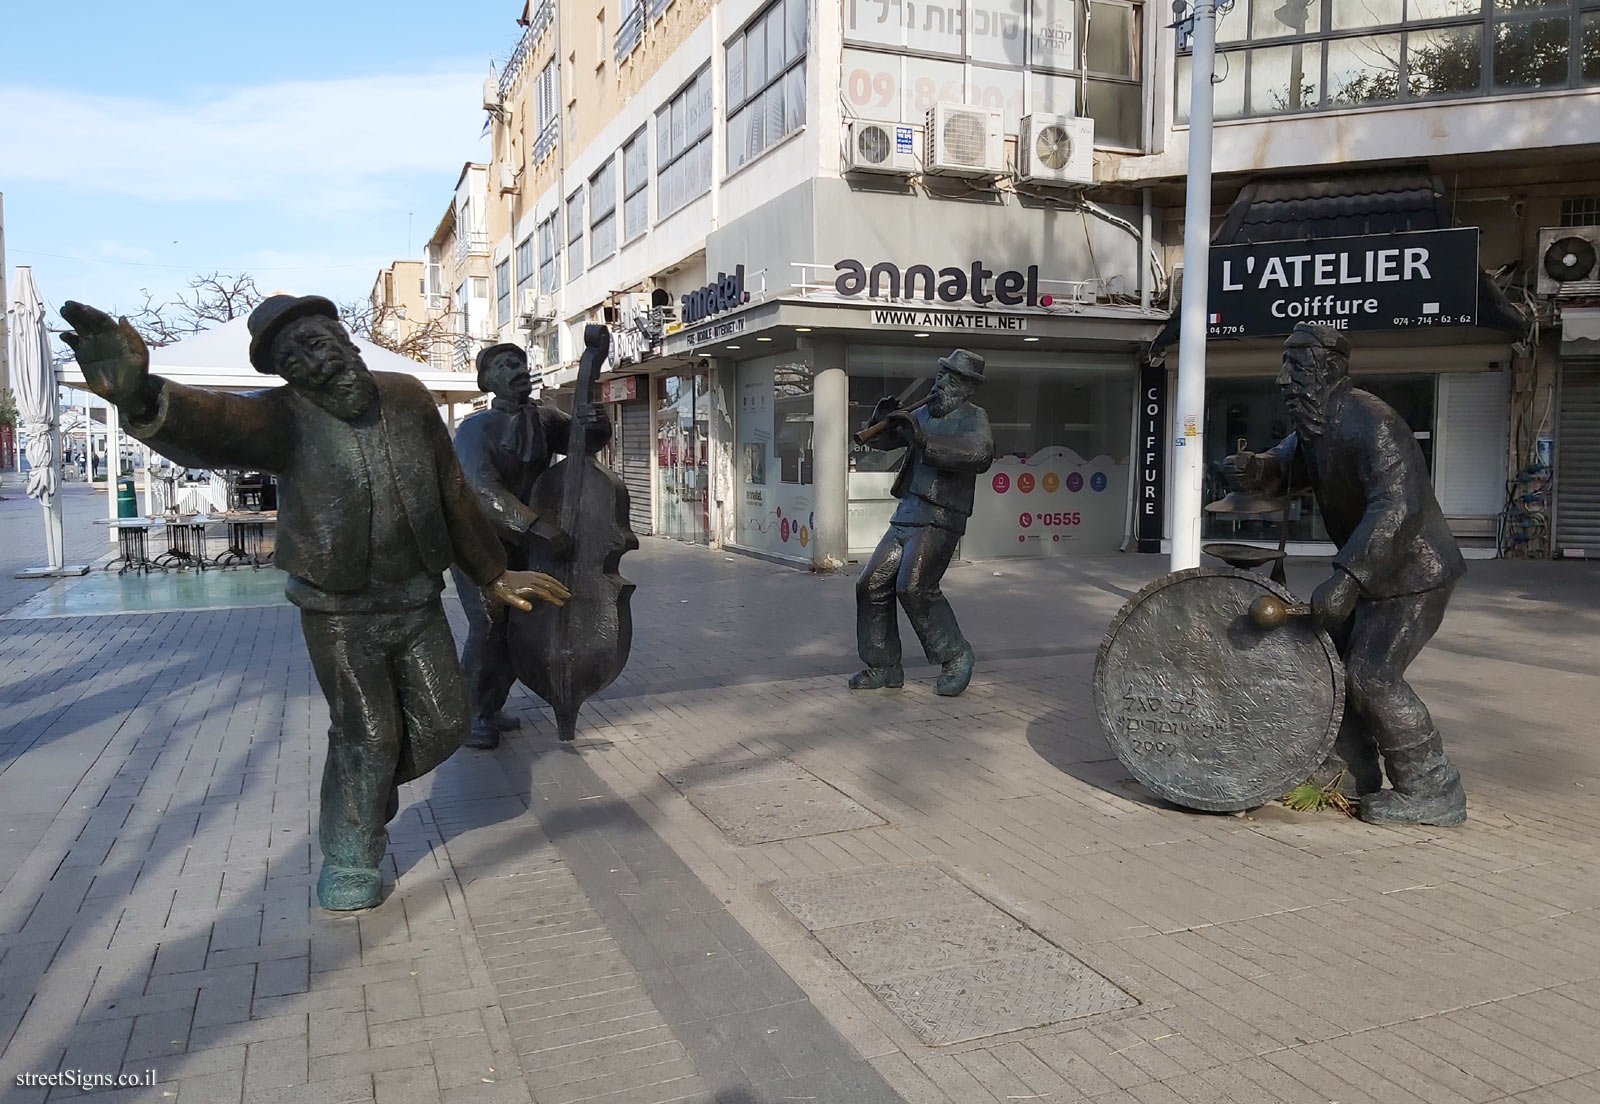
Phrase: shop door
(636, 464)
(1578, 460)
(682, 469)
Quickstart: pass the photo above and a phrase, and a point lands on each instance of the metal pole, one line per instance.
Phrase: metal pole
(1189, 423)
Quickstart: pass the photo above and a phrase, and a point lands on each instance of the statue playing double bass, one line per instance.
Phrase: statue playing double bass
(568, 655)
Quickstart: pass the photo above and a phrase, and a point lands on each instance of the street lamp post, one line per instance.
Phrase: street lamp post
(1188, 453)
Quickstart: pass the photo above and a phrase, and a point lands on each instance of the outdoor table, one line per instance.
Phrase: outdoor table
(246, 531)
(186, 542)
(133, 542)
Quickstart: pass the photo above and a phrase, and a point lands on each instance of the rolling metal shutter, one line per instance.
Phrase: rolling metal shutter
(1470, 465)
(636, 446)
(1578, 460)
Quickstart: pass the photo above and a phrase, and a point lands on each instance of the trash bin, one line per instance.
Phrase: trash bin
(127, 503)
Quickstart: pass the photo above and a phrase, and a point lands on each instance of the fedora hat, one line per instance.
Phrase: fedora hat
(1325, 337)
(964, 364)
(273, 314)
(493, 351)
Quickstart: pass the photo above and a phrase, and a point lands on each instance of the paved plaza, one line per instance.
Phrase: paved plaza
(744, 884)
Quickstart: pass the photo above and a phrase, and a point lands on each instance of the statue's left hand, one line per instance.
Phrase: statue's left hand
(111, 354)
(907, 423)
(1334, 600)
(516, 588)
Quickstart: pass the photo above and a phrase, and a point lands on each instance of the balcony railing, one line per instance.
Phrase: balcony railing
(656, 8)
(519, 58)
(545, 144)
(631, 30)
(471, 243)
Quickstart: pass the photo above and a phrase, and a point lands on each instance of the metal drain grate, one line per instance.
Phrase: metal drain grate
(951, 965)
(765, 800)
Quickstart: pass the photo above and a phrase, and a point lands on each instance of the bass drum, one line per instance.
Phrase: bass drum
(1206, 709)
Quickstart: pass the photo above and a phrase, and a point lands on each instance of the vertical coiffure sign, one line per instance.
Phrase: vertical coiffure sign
(1150, 458)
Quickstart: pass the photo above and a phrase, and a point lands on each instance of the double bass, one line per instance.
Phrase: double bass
(567, 654)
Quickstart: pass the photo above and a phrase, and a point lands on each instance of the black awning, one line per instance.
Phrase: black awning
(1345, 205)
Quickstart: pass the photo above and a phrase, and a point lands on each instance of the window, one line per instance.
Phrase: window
(766, 67)
(1309, 55)
(600, 43)
(1059, 57)
(480, 287)
(574, 235)
(603, 212)
(1581, 211)
(525, 269)
(502, 292)
(549, 255)
(544, 112)
(636, 185)
(683, 146)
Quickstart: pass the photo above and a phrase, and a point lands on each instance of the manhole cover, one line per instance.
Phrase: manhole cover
(951, 965)
(765, 800)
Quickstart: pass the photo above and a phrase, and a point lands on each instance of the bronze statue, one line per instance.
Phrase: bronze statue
(372, 507)
(1392, 578)
(569, 654)
(948, 444)
(503, 452)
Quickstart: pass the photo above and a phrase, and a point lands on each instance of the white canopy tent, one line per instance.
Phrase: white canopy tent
(219, 359)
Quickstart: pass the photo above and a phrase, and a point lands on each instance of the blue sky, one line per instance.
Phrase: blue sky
(307, 144)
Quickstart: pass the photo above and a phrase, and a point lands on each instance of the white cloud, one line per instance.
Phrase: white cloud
(325, 145)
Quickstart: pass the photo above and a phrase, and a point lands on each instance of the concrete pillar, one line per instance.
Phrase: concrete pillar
(830, 450)
(722, 460)
(113, 465)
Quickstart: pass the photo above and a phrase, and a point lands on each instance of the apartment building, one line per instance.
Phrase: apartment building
(788, 209)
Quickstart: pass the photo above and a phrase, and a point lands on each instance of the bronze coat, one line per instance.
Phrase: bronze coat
(324, 495)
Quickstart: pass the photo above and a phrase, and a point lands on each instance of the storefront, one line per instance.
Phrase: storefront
(1062, 419)
(1059, 484)
(1430, 334)
(627, 401)
(683, 454)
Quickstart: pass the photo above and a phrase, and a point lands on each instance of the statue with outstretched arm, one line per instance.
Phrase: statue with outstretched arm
(372, 507)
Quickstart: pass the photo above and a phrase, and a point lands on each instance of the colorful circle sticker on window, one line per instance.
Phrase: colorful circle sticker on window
(1075, 482)
(1050, 482)
(1097, 481)
(1002, 483)
(1025, 482)
(783, 530)
(805, 536)
(1025, 520)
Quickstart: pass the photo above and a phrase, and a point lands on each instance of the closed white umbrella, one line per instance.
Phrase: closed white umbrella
(34, 377)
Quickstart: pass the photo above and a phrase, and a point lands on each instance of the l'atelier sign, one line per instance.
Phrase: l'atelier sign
(1374, 282)
(950, 285)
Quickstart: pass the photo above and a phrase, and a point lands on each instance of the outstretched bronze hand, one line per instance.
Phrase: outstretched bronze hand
(112, 356)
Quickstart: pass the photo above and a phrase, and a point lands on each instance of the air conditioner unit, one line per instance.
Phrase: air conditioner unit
(536, 307)
(508, 179)
(880, 147)
(961, 140)
(1056, 149)
(1569, 262)
(491, 94)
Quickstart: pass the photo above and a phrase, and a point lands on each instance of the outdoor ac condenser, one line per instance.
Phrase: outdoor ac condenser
(961, 140)
(1056, 149)
(880, 147)
(1569, 262)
